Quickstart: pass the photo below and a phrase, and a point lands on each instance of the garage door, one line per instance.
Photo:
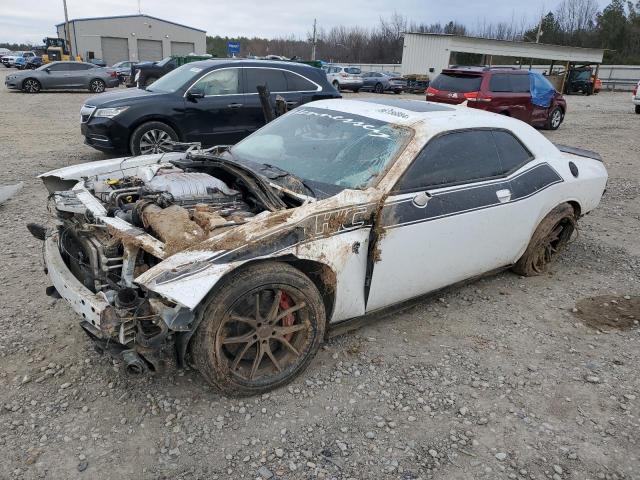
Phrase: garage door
(182, 48)
(114, 49)
(149, 50)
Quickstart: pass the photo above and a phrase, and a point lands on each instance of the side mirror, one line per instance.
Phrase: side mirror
(195, 94)
(48, 70)
(422, 199)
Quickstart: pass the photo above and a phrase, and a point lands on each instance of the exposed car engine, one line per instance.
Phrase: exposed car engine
(178, 207)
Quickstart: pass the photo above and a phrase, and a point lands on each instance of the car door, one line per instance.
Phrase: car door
(368, 80)
(276, 83)
(57, 75)
(79, 75)
(506, 99)
(450, 217)
(214, 113)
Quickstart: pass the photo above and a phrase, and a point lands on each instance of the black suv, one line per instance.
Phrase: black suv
(214, 102)
(145, 73)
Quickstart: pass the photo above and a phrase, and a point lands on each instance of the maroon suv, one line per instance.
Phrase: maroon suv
(501, 90)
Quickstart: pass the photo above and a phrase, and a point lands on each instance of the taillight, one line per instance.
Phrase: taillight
(634, 91)
(431, 92)
(114, 74)
(476, 97)
(344, 75)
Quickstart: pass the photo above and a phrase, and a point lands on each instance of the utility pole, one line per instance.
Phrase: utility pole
(313, 47)
(540, 32)
(139, 10)
(66, 30)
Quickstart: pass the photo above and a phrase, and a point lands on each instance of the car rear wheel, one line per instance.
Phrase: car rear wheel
(550, 238)
(259, 330)
(555, 118)
(97, 86)
(152, 137)
(148, 81)
(638, 109)
(378, 88)
(31, 85)
(336, 85)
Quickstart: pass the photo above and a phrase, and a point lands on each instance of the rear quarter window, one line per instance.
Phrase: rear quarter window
(513, 154)
(460, 83)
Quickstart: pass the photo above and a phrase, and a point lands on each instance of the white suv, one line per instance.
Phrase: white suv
(636, 97)
(340, 77)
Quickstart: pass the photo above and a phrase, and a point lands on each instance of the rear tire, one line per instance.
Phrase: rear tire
(378, 88)
(149, 81)
(244, 345)
(97, 86)
(638, 109)
(152, 137)
(31, 85)
(336, 85)
(550, 238)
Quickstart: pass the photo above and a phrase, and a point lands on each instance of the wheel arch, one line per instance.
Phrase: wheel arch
(321, 274)
(154, 118)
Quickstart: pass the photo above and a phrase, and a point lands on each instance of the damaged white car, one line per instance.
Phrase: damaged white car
(237, 259)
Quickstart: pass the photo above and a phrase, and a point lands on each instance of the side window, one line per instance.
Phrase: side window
(296, 83)
(500, 82)
(274, 79)
(453, 158)
(520, 83)
(219, 82)
(58, 67)
(512, 153)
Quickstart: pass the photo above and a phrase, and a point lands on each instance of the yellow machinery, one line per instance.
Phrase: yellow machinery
(55, 49)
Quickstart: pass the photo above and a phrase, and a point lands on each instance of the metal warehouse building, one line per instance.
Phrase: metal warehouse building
(429, 53)
(131, 37)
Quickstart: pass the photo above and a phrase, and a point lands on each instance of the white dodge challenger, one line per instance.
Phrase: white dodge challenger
(237, 259)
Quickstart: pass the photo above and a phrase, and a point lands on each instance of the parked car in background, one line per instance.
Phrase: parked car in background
(380, 82)
(20, 63)
(636, 97)
(500, 90)
(63, 76)
(145, 73)
(242, 258)
(340, 77)
(10, 60)
(33, 63)
(123, 70)
(214, 102)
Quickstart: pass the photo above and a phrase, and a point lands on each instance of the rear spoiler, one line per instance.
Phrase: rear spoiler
(581, 152)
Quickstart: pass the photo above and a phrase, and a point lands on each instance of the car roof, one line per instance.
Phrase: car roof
(250, 63)
(481, 70)
(418, 114)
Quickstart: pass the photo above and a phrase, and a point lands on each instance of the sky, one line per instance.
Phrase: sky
(262, 18)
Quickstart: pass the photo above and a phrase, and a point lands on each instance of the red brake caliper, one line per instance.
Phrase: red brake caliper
(287, 320)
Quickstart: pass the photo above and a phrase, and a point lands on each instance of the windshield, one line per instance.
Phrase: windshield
(175, 79)
(163, 62)
(457, 83)
(326, 146)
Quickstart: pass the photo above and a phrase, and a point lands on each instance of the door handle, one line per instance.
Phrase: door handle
(234, 105)
(504, 195)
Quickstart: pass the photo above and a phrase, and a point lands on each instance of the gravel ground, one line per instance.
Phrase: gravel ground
(497, 379)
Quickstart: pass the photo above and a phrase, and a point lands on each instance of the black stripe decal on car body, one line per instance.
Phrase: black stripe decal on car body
(470, 198)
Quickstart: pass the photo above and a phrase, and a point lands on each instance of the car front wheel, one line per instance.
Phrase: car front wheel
(31, 85)
(259, 330)
(378, 88)
(152, 137)
(550, 238)
(97, 86)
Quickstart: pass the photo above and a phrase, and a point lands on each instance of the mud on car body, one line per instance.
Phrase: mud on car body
(237, 259)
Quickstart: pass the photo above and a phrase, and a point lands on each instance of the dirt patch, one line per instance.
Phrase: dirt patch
(609, 311)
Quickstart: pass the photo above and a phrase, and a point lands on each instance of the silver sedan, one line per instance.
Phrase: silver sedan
(63, 76)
